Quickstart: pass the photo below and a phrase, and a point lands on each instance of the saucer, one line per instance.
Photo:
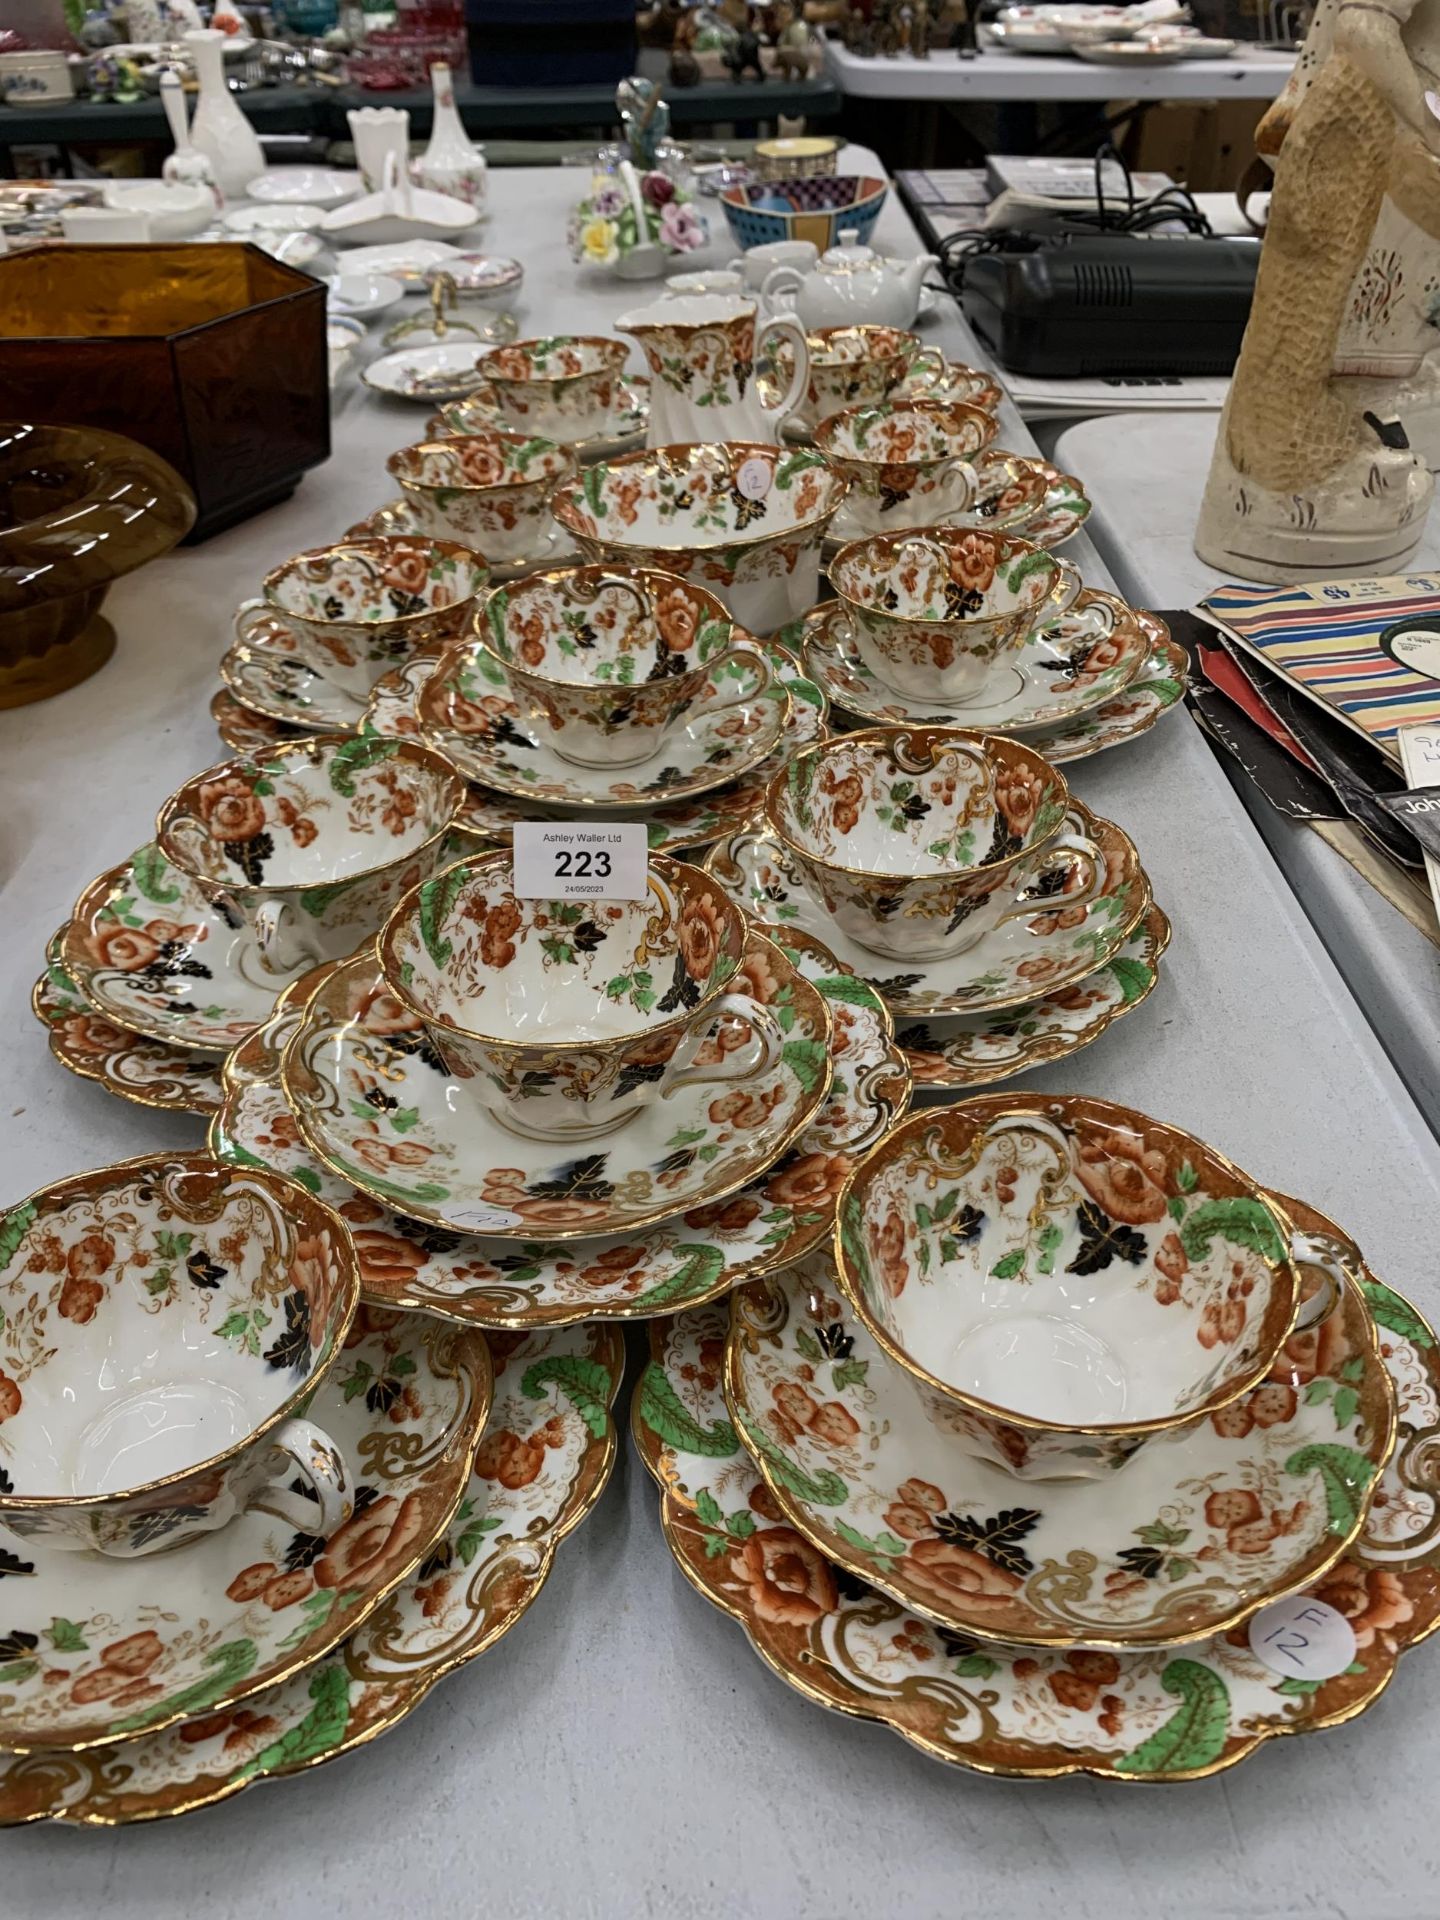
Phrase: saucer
(673, 825)
(378, 1108)
(444, 370)
(1080, 661)
(1194, 1534)
(1159, 686)
(957, 1052)
(546, 1457)
(398, 517)
(149, 950)
(1016, 495)
(105, 1649)
(1003, 969)
(477, 413)
(781, 1213)
(1017, 1711)
(243, 730)
(266, 673)
(90, 1044)
(499, 746)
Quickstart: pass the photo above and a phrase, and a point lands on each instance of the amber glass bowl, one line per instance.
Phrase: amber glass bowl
(213, 356)
(77, 509)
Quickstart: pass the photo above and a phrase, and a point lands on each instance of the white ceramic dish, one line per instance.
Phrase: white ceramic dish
(379, 219)
(324, 187)
(360, 296)
(406, 261)
(446, 371)
(174, 211)
(291, 217)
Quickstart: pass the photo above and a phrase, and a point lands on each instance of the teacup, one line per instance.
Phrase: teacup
(862, 365)
(564, 386)
(1064, 1280)
(165, 1323)
(919, 841)
(606, 662)
(933, 611)
(569, 1016)
(715, 280)
(907, 461)
(312, 845)
(490, 491)
(746, 518)
(361, 607)
(758, 263)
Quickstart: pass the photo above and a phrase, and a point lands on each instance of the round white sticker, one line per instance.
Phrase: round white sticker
(753, 477)
(482, 1219)
(1302, 1639)
(1432, 101)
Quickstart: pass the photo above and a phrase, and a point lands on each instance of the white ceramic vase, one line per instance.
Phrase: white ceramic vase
(452, 163)
(219, 129)
(376, 132)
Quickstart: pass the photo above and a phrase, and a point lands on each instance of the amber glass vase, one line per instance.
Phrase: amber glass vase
(213, 356)
(77, 509)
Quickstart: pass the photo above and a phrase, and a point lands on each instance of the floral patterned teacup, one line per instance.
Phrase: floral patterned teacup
(1064, 1279)
(565, 386)
(932, 612)
(702, 352)
(919, 841)
(568, 1016)
(743, 518)
(163, 1326)
(861, 366)
(361, 607)
(489, 491)
(907, 461)
(313, 844)
(609, 662)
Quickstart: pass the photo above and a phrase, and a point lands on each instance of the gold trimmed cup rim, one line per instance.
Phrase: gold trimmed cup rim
(614, 355)
(415, 752)
(943, 737)
(291, 1199)
(564, 469)
(565, 497)
(682, 879)
(983, 1110)
(369, 543)
(826, 430)
(1006, 546)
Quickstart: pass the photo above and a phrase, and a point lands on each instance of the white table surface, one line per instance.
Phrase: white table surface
(622, 1754)
(996, 75)
(1146, 474)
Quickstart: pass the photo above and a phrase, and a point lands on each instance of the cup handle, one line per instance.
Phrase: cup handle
(746, 1064)
(934, 365)
(779, 281)
(284, 949)
(1064, 593)
(300, 1447)
(789, 325)
(764, 682)
(1082, 852)
(247, 616)
(1323, 1302)
(967, 474)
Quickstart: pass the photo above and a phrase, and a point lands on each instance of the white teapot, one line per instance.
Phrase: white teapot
(852, 284)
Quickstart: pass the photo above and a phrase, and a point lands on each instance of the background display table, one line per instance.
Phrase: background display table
(1145, 474)
(623, 1753)
(993, 75)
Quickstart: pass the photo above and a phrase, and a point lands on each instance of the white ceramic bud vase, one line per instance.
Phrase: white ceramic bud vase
(452, 163)
(186, 166)
(378, 131)
(219, 129)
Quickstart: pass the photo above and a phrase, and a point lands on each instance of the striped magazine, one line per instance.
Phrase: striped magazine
(1367, 649)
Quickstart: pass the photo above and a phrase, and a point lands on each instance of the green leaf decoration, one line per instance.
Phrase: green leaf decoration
(824, 1489)
(1244, 1223)
(699, 1269)
(234, 1155)
(320, 1730)
(976, 1666)
(808, 1060)
(1133, 978)
(317, 901)
(1345, 1406)
(585, 1383)
(1304, 1688)
(793, 463)
(228, 1667)
(437, 897)
(663, 1412)
(13, 1229)
(707, 1509)
(1167, 692)
(1393, 1313)
(496, 608)
(1344, 1474)
(849, 991)
(1008, 1265)
(149, 868)
(849, 1373)
(66, 1637)
(1192, 1738)
(883, 1547)
(468, 1545)
(592, 482)
(354, 757)
(14, 1671)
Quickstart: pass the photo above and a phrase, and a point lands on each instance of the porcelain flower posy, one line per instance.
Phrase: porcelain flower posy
(607, 224)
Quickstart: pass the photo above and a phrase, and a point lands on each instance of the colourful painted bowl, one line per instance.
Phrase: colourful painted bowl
(818, 210)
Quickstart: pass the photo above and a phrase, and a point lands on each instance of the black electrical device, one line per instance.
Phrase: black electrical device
(1090, 305)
